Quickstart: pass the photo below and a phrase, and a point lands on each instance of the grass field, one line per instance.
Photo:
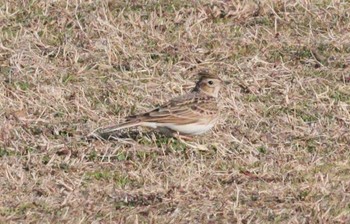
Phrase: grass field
(279, 154)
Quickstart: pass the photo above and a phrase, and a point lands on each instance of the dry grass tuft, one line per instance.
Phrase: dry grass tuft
(279, 154)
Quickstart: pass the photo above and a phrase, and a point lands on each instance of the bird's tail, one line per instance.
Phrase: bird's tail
(114, 128)
(108, 131)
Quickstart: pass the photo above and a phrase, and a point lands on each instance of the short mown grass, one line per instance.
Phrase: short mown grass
(279, 154)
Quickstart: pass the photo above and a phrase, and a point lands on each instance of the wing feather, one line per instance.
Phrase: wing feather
(185, 109)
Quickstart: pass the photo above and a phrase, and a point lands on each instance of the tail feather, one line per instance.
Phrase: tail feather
(114, 128)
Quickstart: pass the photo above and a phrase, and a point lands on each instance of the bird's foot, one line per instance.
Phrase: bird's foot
(182, 137)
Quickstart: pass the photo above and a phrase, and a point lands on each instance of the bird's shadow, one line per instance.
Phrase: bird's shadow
(134, 135)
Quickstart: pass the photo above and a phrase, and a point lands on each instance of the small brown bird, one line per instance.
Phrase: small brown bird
(190, 114)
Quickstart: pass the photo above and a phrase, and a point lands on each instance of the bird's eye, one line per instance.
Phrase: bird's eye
(210, 82)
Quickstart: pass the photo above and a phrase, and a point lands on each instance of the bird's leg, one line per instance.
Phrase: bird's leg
(181, 137)
(175, 134)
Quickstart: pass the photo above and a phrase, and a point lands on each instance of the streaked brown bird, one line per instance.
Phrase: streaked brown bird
(191, 114)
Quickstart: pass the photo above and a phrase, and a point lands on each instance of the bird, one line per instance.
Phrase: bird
(184, 116)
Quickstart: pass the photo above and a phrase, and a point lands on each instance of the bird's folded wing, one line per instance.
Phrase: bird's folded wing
(182, 110)
(182, 114)
(177, 115)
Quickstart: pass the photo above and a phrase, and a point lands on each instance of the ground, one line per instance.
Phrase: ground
(279, 153)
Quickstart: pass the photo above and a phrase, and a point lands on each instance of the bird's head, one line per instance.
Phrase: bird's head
(208, 83)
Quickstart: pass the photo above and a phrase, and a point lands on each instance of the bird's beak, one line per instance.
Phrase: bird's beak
(226, 82)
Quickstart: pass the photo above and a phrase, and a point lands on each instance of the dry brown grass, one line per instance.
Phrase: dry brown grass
(280, 153)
